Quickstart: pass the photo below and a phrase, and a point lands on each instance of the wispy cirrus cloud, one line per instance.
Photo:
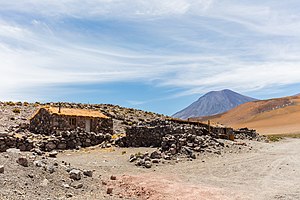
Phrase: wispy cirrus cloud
(193, 45)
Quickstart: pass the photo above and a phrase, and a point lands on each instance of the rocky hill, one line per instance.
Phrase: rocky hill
(213, 103)
(12, 114)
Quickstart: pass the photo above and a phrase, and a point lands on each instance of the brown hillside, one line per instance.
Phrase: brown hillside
(273, 116)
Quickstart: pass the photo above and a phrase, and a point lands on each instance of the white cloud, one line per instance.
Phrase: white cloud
(194, 45)
(107, 8)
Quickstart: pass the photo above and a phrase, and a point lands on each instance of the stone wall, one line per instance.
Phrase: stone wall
(41, 122)
(151, 134)
(245, 133)
(45, 123)
(60, 141)
(72, 139)
(10, 140)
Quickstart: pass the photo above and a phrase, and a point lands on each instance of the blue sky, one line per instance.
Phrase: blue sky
(148, 54)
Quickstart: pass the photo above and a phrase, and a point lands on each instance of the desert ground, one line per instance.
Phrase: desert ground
(267, 172)
(259, 171)
(240, 169)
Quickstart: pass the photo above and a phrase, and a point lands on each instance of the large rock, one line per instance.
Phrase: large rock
(75, 174)
(88, 173)
(23, 161)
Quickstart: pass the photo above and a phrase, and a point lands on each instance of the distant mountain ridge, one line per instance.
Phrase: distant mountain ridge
(270, 116)
(213, 103)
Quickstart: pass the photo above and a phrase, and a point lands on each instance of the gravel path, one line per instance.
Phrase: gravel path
(269, 171)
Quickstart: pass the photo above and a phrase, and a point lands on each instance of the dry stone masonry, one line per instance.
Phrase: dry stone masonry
(176, 140)
(60, 140)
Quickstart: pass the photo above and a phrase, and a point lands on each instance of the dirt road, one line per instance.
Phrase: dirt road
(270, 171)
(273, 172)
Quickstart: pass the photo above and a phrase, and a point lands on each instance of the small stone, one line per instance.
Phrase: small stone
(50, 169)
(38, 152)
(39, 163)
(62, 146)
(193, 156)
(44, 183)
(167, 157)
(1, 169)
(76, 185)
(69, 195)
(109, 190)
(66, 185)
(148, 164)
(132, 158)
(140, 162)
(104, 183)
(108, 145)
(88, 173)
(155, 155)
(53, 154)
(30, 175)
(75, 174)
(155, 161)
(22, 161)
(172, 151)
(112, 177)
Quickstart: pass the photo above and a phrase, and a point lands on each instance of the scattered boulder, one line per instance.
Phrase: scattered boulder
(109, 190)
(76, 185)
(53, 154)
(1, 169)
(88, 173)
(148, 164)
(23, 161)
(75, 174)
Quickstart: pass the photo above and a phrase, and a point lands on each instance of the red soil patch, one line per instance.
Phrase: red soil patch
(155, 187)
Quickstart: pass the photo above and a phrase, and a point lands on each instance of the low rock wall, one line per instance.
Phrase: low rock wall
(61, 140)
(8, 140)
(146, 135)
(72, 139)
(245, 133)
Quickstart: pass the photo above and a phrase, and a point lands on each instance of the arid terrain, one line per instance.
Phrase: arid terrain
(266, 172)
(274, 116)
(211, 168)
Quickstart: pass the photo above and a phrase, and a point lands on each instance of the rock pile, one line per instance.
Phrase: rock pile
(179, 146)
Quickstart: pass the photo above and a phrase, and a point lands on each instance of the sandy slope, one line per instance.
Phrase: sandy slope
(274, 116)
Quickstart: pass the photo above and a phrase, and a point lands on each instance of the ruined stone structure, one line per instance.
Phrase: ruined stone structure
(48, 120)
